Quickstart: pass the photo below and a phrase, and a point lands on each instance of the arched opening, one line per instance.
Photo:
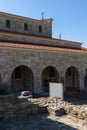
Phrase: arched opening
(49, 74)
(40, 29)
(25, 26)
(22, 79)
(71, 79)
(8, 23)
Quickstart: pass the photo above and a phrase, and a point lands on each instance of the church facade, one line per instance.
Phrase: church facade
(30, 58)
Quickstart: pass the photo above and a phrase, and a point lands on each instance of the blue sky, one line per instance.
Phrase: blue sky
(70, 16)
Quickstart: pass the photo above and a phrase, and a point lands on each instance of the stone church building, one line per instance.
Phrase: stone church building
(30, 58)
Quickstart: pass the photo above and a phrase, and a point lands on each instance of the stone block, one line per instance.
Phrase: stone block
(57, 111)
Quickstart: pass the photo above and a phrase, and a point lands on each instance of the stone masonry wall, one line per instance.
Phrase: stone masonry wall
(37, 61)
(17, 25)
(16, 31)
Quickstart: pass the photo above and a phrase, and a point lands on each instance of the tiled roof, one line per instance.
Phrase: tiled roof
(37, 47)
(35, 36)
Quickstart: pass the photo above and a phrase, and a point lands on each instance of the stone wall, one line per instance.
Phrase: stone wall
(17, 25)
(37, 60)
(16, 31)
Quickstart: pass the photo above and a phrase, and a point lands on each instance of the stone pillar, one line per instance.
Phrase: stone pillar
(82, 74)
(62, 78)
(81, 82)
(37, 85)
(6, 83)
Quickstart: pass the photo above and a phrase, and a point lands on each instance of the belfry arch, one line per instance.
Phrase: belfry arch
(72, 79)
(49, 74)
(22, 79)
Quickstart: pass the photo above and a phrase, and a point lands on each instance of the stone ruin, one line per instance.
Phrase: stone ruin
(17, 106)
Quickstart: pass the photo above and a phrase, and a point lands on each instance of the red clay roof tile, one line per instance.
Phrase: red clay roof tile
(36, 47)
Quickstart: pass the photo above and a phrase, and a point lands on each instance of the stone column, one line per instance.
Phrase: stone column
(37, 84)
(82, 74)
(6, 82)
(81, 82)
(62, 79)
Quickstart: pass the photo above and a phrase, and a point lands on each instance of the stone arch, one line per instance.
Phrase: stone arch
(22, 79)
(49, 74)
(71, 79)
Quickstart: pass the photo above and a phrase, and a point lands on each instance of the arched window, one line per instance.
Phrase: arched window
(25, 26)
(40, 29)
(8, 23)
